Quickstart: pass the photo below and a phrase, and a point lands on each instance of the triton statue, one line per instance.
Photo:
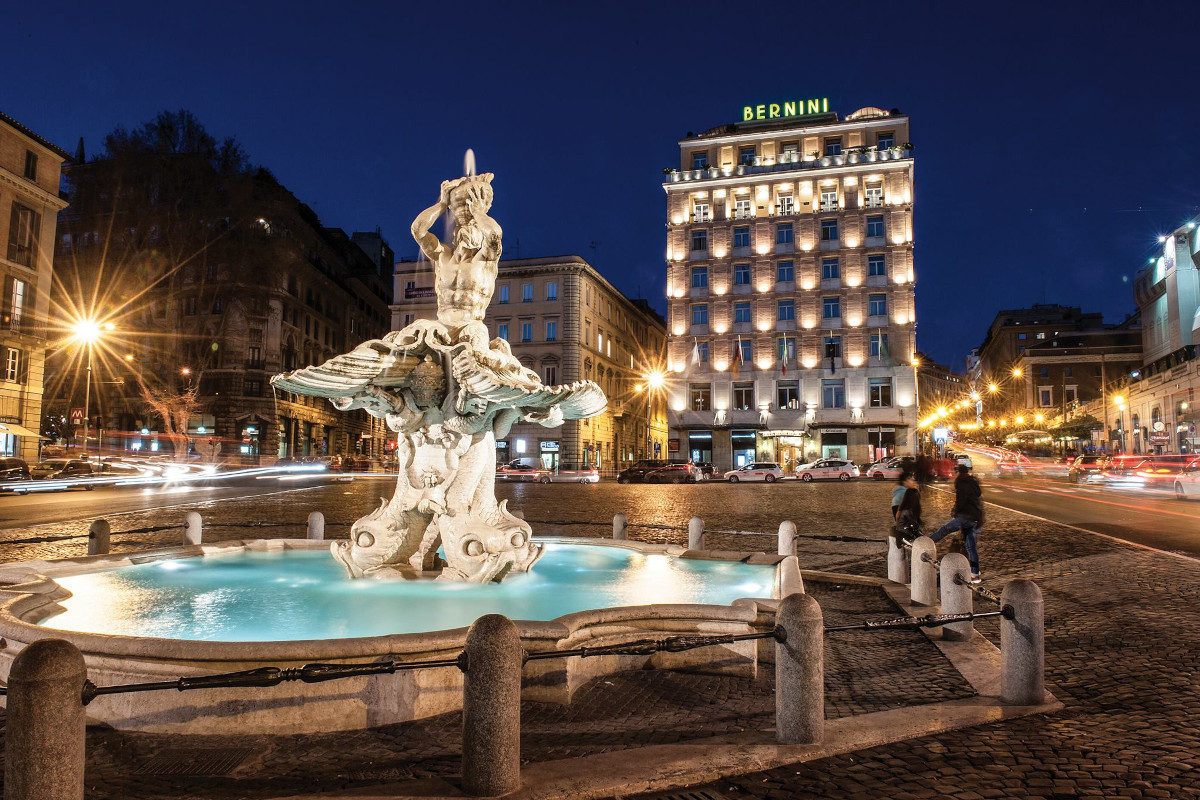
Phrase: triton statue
(448, 393)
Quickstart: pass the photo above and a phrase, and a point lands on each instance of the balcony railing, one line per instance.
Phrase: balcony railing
(782, 165)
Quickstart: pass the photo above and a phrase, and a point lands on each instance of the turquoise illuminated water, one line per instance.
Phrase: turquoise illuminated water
(289, 595)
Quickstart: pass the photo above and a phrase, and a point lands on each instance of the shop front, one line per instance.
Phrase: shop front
(835, 443)
(548, 450)
(882, 442)
(700, 446)
(785, 447)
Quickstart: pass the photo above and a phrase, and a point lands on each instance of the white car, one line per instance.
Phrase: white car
(767, 471)
(963, 460)
(885, 469)
(827, 469)
(1187, 481)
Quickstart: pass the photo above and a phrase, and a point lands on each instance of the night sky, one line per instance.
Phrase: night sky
(1054, 141)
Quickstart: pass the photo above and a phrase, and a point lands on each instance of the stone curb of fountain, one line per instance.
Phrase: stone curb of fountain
(699, 761)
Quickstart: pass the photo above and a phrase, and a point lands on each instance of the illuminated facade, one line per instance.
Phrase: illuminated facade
(565, 322)
(29, 204)
(791, 316)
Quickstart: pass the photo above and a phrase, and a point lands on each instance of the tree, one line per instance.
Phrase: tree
(175, 408)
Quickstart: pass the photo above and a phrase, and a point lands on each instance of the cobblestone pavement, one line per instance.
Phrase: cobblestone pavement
(1121, 638)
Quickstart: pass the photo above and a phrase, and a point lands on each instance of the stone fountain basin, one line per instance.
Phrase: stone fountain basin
(29, 594)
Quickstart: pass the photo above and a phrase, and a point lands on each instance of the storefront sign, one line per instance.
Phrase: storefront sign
(673, 446)
(782, 433)
(501, 445)
(788, 108)
(549, 447)
(835, 430)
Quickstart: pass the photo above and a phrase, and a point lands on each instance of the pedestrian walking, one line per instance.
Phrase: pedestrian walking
(968, 518)
(923, 468)
(906, 508)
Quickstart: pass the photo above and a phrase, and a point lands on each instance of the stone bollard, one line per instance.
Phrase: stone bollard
(957, 598)
(98, 533)
(897, 561)
(695, 534)
(800, 671)
(491, 743)
(923, 591)
(193, 528)
(44, 747)
(1022, 645)
(619, 525)
(787, 538)
(316, 526)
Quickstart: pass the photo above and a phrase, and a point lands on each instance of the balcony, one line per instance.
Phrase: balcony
(791, 164)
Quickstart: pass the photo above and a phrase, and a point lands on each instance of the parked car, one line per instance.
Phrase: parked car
(13, 469)
(707, 470)
(827, 469)
(637, 472)
(767, 471)
(573, 472)
(681, 472)
(356, 464)
(888, 468)
(1088, 468)
(1187, 481)
(62, 469)
(524, 473)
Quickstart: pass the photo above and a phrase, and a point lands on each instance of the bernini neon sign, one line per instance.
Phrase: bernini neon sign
(789, 108)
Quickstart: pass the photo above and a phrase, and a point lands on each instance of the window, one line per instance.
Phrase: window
(876, 266)
(551, 374)
(787, 310)
(252, 387)
(741, 274)
(24, 226)
(1066, 372)
(502, 331)
(31, 165)
(1022, 336)
(1041, 335)
(1045, 372)
(746, 155)
(701, 396)
(787, 206)
(741, 237)
(700, 160)
(189, 306)
(787, 348)
(783, 233)
(700, 278)
(254, 359)
(833, 146)
(832, 307)
(877, 305)
(15, 292)
(829, 198)
(210, 272)
(830, 270)
(1045, 397)
(885, 140)
(700, 315)
(787, 394)
(218, 305)
(879, 392)
(1070, 395)
(874, 226)
(833, 346)
(747, 348)
(552, 290)
(699, 240)
(552, 331)
(408, 319)
(785, 272)
(527, 293)
(702, 213)
(12, 365)
(874, 195)
(879, 345)
(829, 230)
(503, 293)
(741, 312)
(742, 208)
(743, 396)
(526, 331)
(702, 349)
(833, 394)
(409, 286)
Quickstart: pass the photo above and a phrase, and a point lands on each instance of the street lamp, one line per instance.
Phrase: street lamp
(88, 332)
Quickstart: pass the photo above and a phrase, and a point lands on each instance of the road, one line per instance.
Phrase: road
(1153, 518)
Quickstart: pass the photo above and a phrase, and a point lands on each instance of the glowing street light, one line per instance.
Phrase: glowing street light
(1017, 372)
(655, 380)
(1038, 418)
(88, 332)
(992, 387)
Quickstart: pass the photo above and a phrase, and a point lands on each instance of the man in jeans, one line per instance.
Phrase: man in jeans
(968, 517)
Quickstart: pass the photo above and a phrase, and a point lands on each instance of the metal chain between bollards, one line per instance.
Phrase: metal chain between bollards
(914, 623)
(979, 590)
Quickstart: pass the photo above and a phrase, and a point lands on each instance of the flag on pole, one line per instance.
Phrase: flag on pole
(737, 357)
(783, 357)
(695, 354)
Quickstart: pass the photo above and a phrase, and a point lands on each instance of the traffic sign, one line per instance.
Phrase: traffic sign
(76, 415)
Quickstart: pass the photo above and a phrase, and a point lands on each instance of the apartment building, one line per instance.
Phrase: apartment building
(566, 322)
(30, 168)
(791, 315)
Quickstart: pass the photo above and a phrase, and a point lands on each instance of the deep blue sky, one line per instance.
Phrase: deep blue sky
(1054, 141)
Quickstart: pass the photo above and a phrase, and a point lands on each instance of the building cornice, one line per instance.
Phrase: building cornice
(25, 187)
(797, 174)
(800, 130)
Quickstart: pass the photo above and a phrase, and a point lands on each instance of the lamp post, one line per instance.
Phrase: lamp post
(88, 332)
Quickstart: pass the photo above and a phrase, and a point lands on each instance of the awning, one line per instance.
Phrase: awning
(17, 430)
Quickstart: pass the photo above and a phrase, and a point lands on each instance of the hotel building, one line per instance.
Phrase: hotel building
(791, 317)
(566, 322)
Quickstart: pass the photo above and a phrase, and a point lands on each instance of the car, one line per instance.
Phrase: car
(1160, 471)
(963, 460)
(827, 469)
(1088, 468)
(1187, 481)
(62, 469)
(767, 471)
(887, 468)
(637, 473)
(708, 471)
(13, 470)
(574, 472)
(681, 472)
(1010, 467)
(525, 473)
